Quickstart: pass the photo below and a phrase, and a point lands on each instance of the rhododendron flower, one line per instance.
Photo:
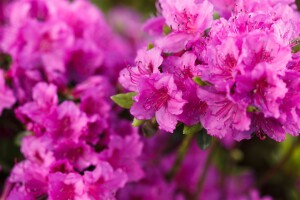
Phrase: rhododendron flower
(262, 88)
(240, 63)
(103, 182)
(66, 121)
(223, 68)
(223, 116)
(7, 98)
(126, 162)
(147, 63)
(63, 71)
(158, 96)
(188, 21)
(65, 186)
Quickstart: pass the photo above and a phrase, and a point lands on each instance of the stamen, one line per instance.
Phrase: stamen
(157, 99)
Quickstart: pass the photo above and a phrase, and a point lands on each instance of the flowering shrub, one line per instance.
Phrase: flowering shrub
(226, 68)
(236, 75)
(64, 69)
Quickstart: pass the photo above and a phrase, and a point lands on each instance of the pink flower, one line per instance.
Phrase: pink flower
(31, 180)
(147, 63)
(37, 150)
(187, 16)
(271, 127)
(182, 67)
(195, 109)
(262, 88)
(126, 162)
(223, 116)
(7, 98)
(258, 47)
(188, 21)
(35, 113)
(66, 122)
(79, 155)
(103, 182)
(158, 96)
(224, 7)
(222, 64)
(65, 186)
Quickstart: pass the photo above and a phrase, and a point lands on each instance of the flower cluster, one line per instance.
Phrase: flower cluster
(233, 68)
(64, 47)
(64, 69)
(70, 151)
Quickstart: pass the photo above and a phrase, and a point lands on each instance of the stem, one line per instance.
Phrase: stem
(279, 165)
(205, 170)
(180, 156)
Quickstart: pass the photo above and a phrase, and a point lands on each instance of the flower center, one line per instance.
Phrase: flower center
(157, 99)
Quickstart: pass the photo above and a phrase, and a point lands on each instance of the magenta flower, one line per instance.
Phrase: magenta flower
(65, 186)
(31, 181)
(36, 112)
(147, 63)
(37, 150)
(7, 98)
(188, 21)
(223, 116)
(258, 47)
(158, 96)
(126, 162)
(224, 7)
(263, 89)
(195, 109)
(270, 127)
(66, 122)
(187, 16)
(79, 155)
(290, 112)
(182, 67)
(222, 64)
(103, 182)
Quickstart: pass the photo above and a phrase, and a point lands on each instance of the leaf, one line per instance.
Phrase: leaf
(150, 46)
(216, 16)
(296, 48)
(199, 81)
(149, 128)
(191, 129)
(124, 100)
(20, 136)
(5, 61)
(252, 109)
(203, 139)
(167, 30)
(136, 122)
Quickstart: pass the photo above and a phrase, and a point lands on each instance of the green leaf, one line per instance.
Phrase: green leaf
(5, 61)
(137, 122)
(296, 48)
(216, 16)
(191, 129)
(252, 109)
(199, 81)
(124, 100)
(20, 136)
(150, 46)
(203, 139)
(167, 30)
